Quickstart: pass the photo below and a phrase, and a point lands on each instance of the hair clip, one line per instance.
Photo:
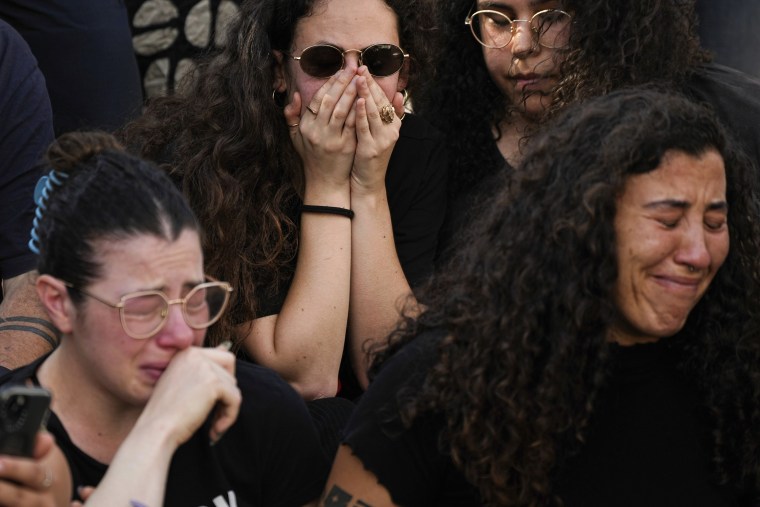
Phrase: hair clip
(42, 192)
(39, 189)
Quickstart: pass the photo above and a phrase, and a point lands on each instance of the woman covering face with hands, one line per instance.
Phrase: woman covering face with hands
(139, 408)
(320, 199)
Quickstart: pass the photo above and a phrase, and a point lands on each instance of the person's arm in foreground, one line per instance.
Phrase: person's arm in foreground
(352, 485)
(26, 332)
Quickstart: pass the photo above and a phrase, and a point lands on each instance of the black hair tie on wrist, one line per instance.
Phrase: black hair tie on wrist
(329, 210)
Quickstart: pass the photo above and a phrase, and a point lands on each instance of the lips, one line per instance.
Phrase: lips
(529, 80)
(154, 370)
(682, 284)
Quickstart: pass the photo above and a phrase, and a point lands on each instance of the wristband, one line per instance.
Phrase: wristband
(329, 210)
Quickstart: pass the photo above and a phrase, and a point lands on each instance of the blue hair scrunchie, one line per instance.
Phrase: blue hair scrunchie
(42, 192)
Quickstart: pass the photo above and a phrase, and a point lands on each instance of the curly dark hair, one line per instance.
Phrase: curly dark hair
(225, 140)
(613, 44)
(528, 303)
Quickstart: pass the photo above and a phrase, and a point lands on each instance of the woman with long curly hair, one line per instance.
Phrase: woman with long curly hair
(597, 342)
(283, 137)
(503, 68)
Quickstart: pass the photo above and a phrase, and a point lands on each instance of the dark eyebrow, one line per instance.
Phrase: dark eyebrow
(718, 206)
(675, 203)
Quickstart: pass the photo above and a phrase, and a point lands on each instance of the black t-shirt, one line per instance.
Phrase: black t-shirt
(269, 457)
(84, 49)
(735, 97)
(416, 187)
(26, 130)
(648, 444)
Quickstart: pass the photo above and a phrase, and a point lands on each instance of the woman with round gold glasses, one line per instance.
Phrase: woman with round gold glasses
(503, 68)
(139, 407)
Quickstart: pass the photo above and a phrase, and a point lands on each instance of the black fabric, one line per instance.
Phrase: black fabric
(735, 97)
(84, 49)
(649, 441)
(406, 462)
(648, 444)
(330, 416)
(729, 28)
(26, 130)
(466, 204)
(269, 457)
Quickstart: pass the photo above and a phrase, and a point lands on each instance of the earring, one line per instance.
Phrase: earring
(278, 98)
(405, 94)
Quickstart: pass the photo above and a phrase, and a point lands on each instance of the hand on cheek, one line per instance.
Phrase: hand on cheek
(292, 111)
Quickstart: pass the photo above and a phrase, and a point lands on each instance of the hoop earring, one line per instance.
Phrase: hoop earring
(278, 99)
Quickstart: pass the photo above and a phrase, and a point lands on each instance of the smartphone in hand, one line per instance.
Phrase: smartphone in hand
(23, 412)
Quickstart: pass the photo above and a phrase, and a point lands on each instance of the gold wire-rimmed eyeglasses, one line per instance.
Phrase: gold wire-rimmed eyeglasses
(144, 313)
(494, 29)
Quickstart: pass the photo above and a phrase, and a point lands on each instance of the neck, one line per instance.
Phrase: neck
(626, 336)
(95, 420)
(513, 129)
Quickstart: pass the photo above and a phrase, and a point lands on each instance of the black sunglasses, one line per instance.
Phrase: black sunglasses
(323, 60)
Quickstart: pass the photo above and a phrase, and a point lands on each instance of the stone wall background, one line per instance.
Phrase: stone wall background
(169, 35)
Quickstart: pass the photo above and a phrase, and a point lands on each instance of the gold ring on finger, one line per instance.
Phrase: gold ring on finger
(387, 113)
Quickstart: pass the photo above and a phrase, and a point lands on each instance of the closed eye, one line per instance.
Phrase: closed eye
(715, 225)
(670, 224)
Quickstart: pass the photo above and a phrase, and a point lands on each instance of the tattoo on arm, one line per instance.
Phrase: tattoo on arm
(338, 497)
(46, 331)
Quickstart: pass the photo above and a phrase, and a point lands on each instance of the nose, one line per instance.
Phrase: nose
(693, 251)
(176, 332)
(352, 58)
(523, 39)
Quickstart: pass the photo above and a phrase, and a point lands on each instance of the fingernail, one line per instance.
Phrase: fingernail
(226, 345)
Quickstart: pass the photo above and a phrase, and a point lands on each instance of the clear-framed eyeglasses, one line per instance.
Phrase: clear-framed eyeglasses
(494, 29)
(144, 313)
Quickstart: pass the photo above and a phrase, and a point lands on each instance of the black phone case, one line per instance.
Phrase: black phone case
(23, 411)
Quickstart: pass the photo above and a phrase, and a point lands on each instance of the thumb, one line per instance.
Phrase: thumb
(43, 444)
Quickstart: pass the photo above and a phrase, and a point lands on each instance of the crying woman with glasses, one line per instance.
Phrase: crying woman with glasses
(141, 410)
(503, 68)
(320, 197)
